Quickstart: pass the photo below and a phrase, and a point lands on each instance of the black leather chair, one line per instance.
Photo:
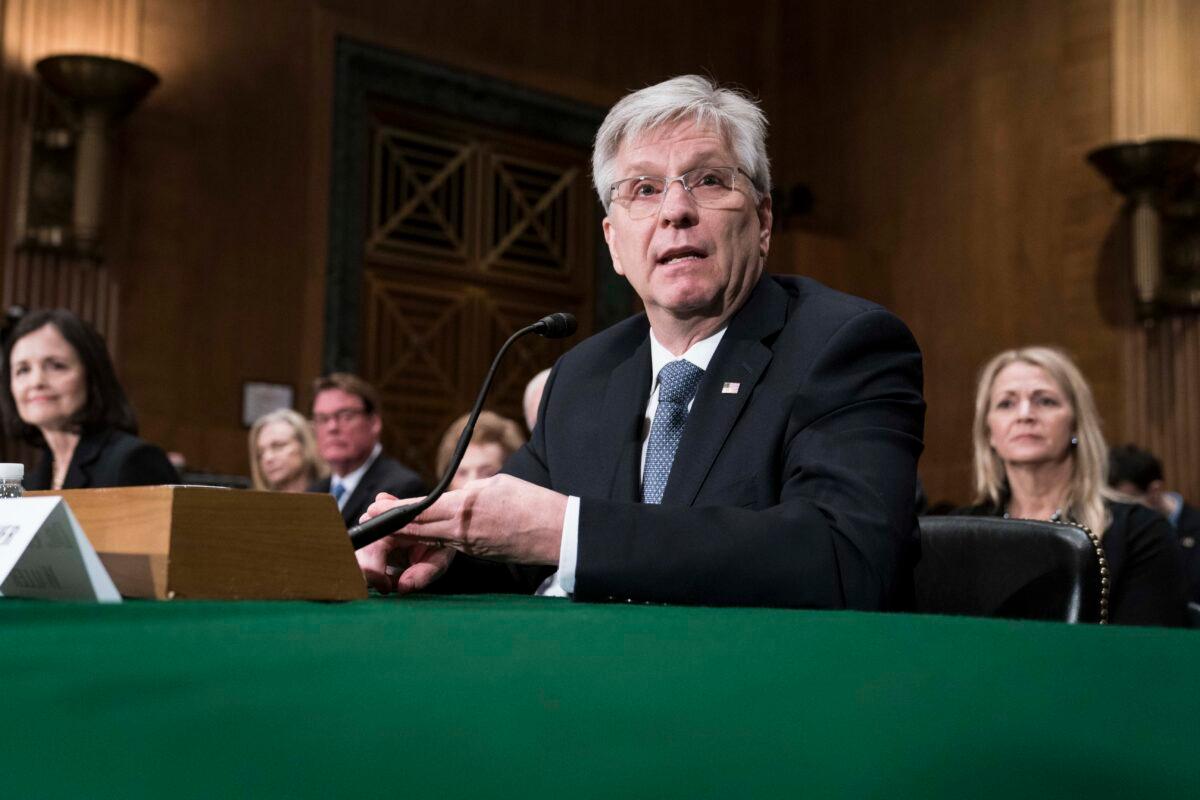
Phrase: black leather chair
(1021, 569)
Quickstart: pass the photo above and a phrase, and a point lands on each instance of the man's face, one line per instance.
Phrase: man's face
(687, 261)
(1153, 496)
(346, 433)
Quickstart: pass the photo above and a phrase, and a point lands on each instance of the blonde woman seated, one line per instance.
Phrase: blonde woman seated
(283, 453)
(1039, 454)
(495, 439)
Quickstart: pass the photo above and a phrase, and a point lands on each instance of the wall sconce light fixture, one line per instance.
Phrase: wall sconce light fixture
(1158, 176)
(64, 198)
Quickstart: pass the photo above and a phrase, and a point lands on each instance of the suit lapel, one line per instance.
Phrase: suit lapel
(79, 471)
(741, 359)
(623, 412)
(363, 494)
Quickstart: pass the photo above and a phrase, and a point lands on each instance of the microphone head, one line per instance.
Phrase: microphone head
(556, 326)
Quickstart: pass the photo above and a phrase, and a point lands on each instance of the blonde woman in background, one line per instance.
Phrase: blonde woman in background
(1040, 454)
(283, 453)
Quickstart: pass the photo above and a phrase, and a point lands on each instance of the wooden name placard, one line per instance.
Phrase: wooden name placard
(203, 542)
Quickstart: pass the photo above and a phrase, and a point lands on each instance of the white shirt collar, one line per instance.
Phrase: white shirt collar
(699, 354)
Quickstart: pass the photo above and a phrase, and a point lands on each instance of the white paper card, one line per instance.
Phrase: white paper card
(44, 553)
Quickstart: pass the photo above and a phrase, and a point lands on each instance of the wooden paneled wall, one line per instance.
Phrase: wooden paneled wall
(948, 139)
(944, 141)
(1156, 71)
(220, 209)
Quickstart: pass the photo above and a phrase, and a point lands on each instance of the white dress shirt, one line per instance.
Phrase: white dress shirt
(562, 582)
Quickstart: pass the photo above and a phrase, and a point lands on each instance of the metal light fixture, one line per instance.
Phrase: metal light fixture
(66, 175)
(1158, 175)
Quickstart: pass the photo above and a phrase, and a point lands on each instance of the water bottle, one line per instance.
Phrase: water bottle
(11, 476)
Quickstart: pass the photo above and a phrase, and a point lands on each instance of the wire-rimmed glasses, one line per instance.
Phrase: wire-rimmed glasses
(710, 187)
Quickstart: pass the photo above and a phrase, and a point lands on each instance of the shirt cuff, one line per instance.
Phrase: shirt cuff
(568, 551)
(562, 583)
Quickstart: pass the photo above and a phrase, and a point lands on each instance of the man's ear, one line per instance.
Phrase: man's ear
(610, 237)
(376, 425)
(765, 219)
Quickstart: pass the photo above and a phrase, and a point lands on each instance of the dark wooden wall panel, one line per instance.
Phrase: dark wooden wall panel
(949, 138)
(944, 142)
(224, 202)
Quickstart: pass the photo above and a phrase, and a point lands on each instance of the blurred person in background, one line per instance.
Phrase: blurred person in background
(1040, 454)
(1139, 474)
(61, 394)
(494, 439)
(283, 453)
(348, 426)
(533, 397)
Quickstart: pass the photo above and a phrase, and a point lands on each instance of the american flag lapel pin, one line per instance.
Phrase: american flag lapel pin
(729, 387)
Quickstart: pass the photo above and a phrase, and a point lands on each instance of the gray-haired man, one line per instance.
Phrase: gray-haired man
(748, 440)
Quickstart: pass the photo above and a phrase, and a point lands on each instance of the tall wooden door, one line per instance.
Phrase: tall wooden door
(471, 233)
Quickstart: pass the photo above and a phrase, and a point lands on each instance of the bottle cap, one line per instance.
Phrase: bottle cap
(12, 472)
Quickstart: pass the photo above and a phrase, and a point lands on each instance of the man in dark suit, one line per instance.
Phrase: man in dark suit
(347, 424)
(749, 440)
(1139, 474)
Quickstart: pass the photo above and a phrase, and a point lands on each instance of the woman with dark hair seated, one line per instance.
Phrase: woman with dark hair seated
(61, 393)
(1039, 454)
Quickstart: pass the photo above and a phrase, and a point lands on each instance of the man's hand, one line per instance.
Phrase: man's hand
(395, 564)
(500, 518)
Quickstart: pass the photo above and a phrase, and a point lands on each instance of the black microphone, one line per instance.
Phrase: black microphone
(554, 326)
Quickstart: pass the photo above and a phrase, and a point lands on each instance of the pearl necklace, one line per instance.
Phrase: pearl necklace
(1057, 516)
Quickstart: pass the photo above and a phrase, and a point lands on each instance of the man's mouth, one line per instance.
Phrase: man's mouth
(678, 254)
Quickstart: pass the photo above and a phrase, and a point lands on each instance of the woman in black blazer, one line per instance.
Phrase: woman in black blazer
(1040, 454)
(60, 392)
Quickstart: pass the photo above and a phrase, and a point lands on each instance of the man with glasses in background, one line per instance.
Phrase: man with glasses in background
(748, 440)
(345, 418)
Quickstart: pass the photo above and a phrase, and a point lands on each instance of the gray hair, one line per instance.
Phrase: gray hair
(735, 114)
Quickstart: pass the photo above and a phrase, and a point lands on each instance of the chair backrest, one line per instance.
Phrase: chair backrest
(993, 567)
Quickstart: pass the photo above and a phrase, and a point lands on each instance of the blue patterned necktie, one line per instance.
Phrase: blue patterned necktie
(677, 384)
(338, 490)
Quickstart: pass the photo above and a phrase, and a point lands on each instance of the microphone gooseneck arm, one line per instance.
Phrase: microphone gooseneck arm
(554, 326)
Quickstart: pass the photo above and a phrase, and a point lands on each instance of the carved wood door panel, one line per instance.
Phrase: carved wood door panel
(472, 233)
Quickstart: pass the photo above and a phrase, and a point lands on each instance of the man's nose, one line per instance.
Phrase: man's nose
(679, 207)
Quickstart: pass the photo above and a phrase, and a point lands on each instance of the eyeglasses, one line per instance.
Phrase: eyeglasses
(710, 187)
(342, 416)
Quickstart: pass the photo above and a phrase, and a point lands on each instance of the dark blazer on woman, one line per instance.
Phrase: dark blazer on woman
(106, 458)
(1145, 565)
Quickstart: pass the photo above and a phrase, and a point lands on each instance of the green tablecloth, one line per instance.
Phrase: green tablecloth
(538, 698)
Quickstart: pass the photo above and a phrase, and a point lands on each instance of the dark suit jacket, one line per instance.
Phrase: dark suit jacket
(385, 475)
(106, 458)
(1188, 528)
(794, 489)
